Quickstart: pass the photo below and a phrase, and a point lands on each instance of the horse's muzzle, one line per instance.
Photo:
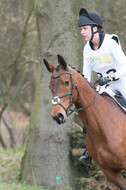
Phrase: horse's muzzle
(60, 119)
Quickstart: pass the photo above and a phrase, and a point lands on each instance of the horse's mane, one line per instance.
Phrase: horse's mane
(57, 69)
(83, 77)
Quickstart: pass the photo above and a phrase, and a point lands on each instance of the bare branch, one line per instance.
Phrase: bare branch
(2, 142)
(10, 130)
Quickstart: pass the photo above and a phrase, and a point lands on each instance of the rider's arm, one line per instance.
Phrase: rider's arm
(119, 59)
(86, 67)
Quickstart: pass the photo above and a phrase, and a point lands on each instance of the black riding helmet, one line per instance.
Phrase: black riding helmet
(90, 18)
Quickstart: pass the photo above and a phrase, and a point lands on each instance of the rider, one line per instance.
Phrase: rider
(103, 54)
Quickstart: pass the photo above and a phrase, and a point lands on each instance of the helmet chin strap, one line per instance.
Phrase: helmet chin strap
(93, 32)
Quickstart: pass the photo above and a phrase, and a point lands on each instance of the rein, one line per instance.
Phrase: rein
(81, 109)
(56, 99)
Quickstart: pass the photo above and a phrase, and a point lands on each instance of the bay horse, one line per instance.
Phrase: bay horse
(104, 120)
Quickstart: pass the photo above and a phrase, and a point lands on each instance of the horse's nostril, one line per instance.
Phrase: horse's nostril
(59, 118)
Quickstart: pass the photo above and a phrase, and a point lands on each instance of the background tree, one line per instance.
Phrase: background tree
(47, 155)
(17, 55)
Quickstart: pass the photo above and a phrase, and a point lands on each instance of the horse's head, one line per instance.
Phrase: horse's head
(62, 88)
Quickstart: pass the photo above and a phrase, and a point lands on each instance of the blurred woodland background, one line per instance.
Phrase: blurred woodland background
(19, 57)
(31, 30)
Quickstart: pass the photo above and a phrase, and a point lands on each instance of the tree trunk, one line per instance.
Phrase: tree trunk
(47, 158)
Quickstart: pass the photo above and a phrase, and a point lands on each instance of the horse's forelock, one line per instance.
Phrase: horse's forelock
(57, 68)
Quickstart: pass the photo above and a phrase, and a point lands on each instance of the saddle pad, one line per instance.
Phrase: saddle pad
(110, 93)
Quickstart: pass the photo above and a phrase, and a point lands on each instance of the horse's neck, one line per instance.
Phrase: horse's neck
(86, 93)
(86, 98)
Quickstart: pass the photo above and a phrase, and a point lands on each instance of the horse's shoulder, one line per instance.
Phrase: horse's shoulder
(111, 102)
(107, 98)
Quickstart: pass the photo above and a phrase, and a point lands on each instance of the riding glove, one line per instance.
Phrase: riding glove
(103, 80)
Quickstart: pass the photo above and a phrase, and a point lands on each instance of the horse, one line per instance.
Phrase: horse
(103, 119)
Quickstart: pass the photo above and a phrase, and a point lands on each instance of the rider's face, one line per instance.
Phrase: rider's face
(86, 32)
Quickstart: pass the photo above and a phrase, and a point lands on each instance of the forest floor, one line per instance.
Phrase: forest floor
(10, 162)
(10, 171)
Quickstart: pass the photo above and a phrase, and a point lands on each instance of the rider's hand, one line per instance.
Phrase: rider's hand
(103, 80)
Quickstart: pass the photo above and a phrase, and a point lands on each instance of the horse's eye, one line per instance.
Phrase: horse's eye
(66, 83)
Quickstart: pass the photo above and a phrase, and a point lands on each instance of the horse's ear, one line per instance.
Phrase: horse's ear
(62, 62)
(49, 66)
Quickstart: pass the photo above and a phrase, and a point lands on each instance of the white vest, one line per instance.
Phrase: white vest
(107, 59)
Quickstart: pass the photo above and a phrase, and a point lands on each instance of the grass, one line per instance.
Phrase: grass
(10, 164)
(19, 186)
(10, 170)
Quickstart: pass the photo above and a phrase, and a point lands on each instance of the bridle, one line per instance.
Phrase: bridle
(56, 99)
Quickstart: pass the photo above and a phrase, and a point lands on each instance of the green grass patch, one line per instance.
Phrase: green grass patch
(19, 186)
(10, 161)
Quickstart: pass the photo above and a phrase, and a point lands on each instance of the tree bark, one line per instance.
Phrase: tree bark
(47, 157)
